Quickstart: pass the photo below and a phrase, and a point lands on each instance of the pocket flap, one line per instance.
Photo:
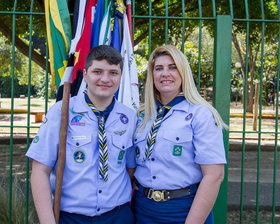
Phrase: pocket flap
(78, 140)
(178, 136)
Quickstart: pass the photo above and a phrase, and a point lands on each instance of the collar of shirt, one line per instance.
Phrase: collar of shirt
(105, 112)
(80, 106)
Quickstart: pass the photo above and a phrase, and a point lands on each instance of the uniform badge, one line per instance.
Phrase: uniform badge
(36, 139)
(120, 157)
(124, 119)
(76, 120)
(137, 151)
(78, 138)
(189, 116)
(79, 156)
(177, 150)
(120, 133)
(45, 119)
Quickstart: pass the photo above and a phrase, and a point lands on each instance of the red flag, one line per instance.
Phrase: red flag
(83, 46)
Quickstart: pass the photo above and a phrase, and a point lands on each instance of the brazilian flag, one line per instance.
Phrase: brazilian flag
(59, 37)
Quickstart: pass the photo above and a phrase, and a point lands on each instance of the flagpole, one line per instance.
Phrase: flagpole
(62, 150)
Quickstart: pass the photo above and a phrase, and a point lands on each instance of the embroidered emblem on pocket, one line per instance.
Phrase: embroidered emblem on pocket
(79, 156)
(120, 157)
(177, 150)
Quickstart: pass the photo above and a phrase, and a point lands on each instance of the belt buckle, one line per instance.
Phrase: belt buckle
(156, 195)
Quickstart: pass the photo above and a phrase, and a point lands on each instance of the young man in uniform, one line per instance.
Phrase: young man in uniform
(96, 185)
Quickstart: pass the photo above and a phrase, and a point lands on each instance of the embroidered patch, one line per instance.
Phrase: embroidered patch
(189, 116)
(76, 120)
(120, 133)
(177, 150)
(45, 120)
(124, 119)
(137, 151)
(79, 156)
(120, 157)
(78, 137)
(36, 139)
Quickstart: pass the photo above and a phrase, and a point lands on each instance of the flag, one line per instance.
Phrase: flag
(128, 11)
(59, 36)
(105, 30)
(95, 28)
(78, 22)
(128, 91)
(117, 28)
(82, 49)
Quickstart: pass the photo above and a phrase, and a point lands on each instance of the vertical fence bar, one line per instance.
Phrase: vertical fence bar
(12, 113)
(276, 124)
(183, 27)
(244, 113)
(28, 113)
(260, 117)
(222, 69)
(166, 21)
(199, 46)
(150, 26)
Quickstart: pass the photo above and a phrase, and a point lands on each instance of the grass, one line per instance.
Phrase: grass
(18, 215)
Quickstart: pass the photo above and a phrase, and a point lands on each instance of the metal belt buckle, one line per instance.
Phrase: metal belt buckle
(156, 195)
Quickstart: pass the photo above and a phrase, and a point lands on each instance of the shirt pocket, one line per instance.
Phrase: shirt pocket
(139, 147)
(79, 150)
(176, 142)
(120, 144)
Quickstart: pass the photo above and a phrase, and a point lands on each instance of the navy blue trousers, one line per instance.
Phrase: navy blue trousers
(118, 216)
(174, 211)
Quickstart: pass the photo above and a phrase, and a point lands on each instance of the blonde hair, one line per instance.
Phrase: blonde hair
(188, 85)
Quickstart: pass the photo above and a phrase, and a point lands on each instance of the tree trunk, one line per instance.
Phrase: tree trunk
(22, 47)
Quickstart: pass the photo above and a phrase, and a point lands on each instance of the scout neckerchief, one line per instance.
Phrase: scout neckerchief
(102, 140)
(162, 111)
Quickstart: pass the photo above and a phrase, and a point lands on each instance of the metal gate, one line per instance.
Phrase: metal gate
(233, 48)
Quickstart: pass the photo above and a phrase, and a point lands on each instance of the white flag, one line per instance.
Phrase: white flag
(128, 91)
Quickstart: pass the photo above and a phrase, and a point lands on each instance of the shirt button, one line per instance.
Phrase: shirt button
(77, 144)
(153, 159)
(98, 209)
(100, 191)
(154, 177)
(177, 138)
(135, 139)
(123, 146)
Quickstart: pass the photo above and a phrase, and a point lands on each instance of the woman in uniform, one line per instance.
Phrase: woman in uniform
(179, 146)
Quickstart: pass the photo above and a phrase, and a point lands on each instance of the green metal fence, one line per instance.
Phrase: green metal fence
(197, 28)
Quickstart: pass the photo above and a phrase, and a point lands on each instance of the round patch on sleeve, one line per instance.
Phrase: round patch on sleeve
(36, 139)
(189, 116)
(124, 119)
(79, 156)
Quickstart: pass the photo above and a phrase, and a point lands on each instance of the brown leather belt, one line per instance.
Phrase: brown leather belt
(165, 195)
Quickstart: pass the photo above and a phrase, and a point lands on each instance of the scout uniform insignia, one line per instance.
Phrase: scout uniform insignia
(79, 156)
(120, 157)
(177, 150)
(124, 119)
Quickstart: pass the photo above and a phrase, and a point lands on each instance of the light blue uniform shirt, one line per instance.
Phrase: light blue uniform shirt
(82, 190)
(187, 138)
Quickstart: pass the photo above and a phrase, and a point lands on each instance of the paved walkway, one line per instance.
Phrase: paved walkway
(267, 177)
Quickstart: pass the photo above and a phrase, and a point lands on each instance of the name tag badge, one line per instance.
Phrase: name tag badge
(177, 150)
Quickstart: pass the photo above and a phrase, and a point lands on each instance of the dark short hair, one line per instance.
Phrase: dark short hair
(101, 52)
